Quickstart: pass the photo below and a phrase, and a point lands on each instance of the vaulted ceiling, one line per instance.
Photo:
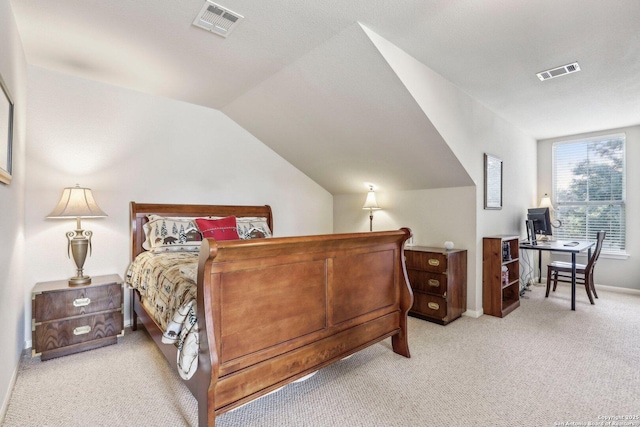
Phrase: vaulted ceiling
(304, 78)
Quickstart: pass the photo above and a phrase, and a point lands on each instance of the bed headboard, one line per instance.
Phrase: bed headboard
(139, 212)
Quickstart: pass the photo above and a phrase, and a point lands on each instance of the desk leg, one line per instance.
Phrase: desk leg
(539, 266)
(573, 281)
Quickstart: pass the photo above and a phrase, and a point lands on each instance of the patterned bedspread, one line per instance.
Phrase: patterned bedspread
(167, 285)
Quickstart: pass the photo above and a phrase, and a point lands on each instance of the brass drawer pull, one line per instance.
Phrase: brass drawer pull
(433, 283)
(433, 305)
(81, 330)
(434, 262)
(81, 302)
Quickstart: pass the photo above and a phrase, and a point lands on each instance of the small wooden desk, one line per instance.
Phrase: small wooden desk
(561, 246)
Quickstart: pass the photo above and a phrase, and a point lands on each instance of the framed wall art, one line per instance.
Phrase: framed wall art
(492, 182)
(6, 133)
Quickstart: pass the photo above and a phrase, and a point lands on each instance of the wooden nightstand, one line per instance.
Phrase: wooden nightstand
(67, 320)
(438, 278)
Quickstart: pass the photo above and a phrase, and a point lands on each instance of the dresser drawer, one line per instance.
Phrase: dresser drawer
(429, 305)
(438, 278)
(76, 301)
(428, 261)
(434, 283)
(57, 334)
(67, 320)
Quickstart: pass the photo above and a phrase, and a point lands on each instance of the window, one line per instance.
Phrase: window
(589, 189)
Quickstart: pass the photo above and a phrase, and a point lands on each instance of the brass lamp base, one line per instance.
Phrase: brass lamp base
(79, 245)
(80, 281)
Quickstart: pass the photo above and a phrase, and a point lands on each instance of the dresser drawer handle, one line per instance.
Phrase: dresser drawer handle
(433, 305)
(434, 262)
(81, 302)
(81, 330)
(433, 283)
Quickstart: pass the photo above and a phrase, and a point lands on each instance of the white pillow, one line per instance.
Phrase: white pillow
(253, 227)
(164, 234)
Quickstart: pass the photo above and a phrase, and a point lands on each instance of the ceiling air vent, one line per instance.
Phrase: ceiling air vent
(559, 71)
(217, 19)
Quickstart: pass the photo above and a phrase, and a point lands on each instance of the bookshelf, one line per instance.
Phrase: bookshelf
(500, 296)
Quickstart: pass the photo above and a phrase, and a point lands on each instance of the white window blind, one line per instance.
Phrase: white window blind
(589, 190)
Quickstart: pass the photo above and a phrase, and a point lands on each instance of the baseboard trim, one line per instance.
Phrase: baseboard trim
(7, 395)
(474, 313)
(616, 289)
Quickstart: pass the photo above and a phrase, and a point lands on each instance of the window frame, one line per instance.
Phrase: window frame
(613, 253)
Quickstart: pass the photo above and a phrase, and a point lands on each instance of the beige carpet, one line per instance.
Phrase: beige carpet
(540, 366)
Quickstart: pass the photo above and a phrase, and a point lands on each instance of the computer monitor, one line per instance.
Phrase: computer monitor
(541, 220)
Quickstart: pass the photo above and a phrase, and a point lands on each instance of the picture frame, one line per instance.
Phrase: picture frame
(492, 182)
(6, 133)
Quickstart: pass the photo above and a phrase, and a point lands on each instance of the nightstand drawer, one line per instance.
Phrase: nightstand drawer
(57, 334)
(433, 283)
(429, 305)
(438, 278)
(428, 261)
(67, 320)
(76, 302)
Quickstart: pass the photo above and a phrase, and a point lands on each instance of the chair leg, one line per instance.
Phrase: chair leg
(593, 287)
(548, 281)
(587, 287)
(555, 280)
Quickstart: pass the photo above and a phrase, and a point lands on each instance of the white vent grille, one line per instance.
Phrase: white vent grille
(217, 19)
(559, 71)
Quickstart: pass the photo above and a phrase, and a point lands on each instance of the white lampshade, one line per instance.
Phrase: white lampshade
(370, 202)
(545, 202)
(77, 202)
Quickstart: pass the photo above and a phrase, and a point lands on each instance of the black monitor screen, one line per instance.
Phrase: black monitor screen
(541, 220)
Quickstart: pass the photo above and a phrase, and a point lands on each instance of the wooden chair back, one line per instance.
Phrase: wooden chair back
(596, 253)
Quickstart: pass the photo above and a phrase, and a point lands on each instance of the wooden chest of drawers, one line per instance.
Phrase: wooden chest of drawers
(438, 278)
(68, 320)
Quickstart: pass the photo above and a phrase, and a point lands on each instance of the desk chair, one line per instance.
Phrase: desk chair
(559, 271)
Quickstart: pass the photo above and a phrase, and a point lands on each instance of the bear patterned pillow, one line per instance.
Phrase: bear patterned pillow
(219, 229)
(253, 228)
(171, 234)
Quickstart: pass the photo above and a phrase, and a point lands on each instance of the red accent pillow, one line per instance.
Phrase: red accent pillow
(219, 229)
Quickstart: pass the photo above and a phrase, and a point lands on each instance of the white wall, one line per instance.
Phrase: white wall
(129, 146)
(428, 213)
(13, 72)
(471, 130)
(623, 273)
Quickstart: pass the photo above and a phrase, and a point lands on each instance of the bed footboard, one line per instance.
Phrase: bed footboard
(271, 311)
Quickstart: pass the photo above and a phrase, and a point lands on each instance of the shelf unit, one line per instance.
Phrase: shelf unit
(500, 298)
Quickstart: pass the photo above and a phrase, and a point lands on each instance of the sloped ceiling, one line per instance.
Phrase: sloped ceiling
(490, 49)
(342, 113)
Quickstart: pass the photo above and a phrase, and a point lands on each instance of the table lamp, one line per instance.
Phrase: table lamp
(371, 204)
(545, 202)
(77, 202)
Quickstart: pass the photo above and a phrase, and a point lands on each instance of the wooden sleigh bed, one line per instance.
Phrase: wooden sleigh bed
(271, 311)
